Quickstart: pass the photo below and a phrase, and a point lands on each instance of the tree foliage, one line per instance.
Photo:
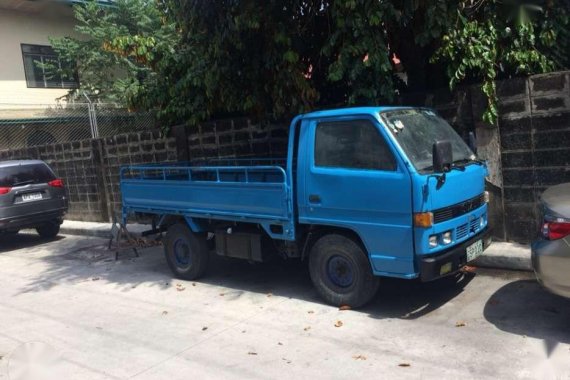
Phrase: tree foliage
(194, 59)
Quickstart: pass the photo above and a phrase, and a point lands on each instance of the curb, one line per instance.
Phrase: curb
(100, 230)
(499, 255)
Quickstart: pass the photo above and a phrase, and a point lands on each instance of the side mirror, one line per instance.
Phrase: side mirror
(442, 156)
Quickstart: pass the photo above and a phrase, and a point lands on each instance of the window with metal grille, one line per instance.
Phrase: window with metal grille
(44, 69)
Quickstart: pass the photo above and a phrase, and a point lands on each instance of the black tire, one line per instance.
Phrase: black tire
(341, 272)
(186, 253)
(48, 230)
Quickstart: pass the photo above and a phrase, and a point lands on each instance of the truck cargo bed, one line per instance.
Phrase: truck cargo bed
(233, 192)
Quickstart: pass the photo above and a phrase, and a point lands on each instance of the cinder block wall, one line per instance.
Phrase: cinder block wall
(535, 147)
(77, 164)
(238, 138)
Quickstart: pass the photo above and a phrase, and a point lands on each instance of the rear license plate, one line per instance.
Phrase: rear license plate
(31, 197)
(474, 250)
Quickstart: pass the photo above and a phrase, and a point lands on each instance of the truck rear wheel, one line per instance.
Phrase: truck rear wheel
(341, 272)
(186, 252)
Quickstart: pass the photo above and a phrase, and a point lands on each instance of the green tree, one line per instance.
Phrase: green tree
(122, 51)
(193, 59)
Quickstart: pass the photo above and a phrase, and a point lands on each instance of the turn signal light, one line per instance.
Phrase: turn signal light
(423, 219)
(56, 183)
(556, 230)
(5, 190)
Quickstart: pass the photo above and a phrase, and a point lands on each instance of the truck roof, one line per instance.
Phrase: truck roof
(350, 111)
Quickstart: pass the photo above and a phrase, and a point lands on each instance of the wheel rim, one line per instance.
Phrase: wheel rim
(339, 271)
(182, 255)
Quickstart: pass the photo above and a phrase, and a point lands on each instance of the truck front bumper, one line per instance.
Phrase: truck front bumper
(451, 260)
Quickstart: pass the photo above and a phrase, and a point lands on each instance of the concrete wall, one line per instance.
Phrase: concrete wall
(32, 26)
(535, 147)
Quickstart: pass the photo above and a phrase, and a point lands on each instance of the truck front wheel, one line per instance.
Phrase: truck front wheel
(186, 253)
(341, 272)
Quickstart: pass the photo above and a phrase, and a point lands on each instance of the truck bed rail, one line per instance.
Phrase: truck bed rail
(257, 194)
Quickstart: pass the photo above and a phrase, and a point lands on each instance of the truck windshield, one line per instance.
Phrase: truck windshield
(417, 129)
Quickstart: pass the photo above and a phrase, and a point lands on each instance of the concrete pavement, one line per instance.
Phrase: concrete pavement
(130, 319)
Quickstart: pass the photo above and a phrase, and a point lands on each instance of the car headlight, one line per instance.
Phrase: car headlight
(446, 237)
(433, 241)
(482, 222)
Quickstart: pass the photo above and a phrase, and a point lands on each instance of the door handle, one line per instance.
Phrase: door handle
(315, 198)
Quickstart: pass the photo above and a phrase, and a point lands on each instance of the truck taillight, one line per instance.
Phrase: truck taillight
(56, 183)
(5, 190)
(554, 230)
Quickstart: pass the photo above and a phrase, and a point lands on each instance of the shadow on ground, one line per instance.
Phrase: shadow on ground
(524, 308)
(74, 260)
(11, 242)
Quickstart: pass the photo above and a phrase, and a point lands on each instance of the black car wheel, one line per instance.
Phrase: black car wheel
(48, 230)
(186, 253)
(341, 272)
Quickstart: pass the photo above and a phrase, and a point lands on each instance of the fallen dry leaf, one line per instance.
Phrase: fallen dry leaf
(359, 357)
(344, 307)
(279, 343)
(310, 312)
(460, 324)
(404, 365)
(307, 328)
(193, 284)
(286, 360)
(164, 312)
(204, 328)
(222, 294)
(252, 353)
(180, 289)
(269, 294)
(469, 269)
(338, 324)
(95, 279)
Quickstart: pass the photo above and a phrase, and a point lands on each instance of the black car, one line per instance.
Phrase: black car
(31, 196)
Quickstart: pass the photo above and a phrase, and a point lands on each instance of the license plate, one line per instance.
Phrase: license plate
(474, 250)
(31, 197)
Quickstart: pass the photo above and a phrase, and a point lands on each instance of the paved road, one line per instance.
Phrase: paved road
(131, 320)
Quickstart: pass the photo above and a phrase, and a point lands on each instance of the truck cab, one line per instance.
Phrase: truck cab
(363, 193)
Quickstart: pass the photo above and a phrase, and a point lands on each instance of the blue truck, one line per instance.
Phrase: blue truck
(363, 193)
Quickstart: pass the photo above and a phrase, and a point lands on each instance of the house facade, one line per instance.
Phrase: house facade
(25, 29)
(33, 110)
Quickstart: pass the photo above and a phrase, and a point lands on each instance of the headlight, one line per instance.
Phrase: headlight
(446, 237)
(433, 241)
(482, 222)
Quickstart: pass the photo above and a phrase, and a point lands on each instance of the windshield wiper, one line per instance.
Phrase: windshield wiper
(462, 163)
(23, 182)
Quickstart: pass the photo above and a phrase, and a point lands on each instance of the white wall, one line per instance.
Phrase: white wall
(18, 27)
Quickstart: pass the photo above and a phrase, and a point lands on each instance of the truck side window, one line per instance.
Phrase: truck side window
(355, 144)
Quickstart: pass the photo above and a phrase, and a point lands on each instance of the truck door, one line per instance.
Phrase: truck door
(350, 176)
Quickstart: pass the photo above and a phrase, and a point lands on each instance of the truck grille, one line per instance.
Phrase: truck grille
(461, 231)
(468, 228)
(450, 212)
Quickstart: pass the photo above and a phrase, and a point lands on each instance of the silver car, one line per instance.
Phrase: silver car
(31, 196)
(551, 253)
